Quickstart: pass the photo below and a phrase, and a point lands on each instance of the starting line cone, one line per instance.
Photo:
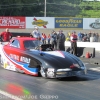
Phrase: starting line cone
(87, 55)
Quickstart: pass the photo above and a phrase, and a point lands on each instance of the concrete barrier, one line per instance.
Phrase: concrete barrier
(81, 51)
(83, 48)
(95, 45)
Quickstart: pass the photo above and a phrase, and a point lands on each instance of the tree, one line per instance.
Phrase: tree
(55, 8)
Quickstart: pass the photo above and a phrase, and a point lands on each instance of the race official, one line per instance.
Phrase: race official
(74, 43)
(6, 35)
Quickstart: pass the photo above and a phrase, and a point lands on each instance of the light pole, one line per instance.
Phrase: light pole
(45, 9)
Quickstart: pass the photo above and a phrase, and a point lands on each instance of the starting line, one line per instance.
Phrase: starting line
(7, 95)
(95, 69)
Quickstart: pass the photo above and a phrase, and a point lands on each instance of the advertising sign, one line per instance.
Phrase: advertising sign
(12, 22)
(41, 22)
(91, 23)
(69, 23)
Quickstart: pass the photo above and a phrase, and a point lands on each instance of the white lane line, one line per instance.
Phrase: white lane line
(95, 69)
(9, 96)
(86, 63)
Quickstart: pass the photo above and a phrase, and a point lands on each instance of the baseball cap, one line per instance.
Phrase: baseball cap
(36, 27)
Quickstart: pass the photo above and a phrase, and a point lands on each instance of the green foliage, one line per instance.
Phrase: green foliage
(54, 8)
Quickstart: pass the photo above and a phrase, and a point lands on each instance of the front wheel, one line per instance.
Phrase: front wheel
(42, 72)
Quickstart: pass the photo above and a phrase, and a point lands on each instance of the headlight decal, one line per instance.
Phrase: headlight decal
(66, 69)
(51, 72)
(50, 69)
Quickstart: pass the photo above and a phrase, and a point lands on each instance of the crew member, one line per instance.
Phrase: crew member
(74, 43)
(6, 35)
(36, 33)
(60, 41)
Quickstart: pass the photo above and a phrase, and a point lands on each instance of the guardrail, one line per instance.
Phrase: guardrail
(95, 45)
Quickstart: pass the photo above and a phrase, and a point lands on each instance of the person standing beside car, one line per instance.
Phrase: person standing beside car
(61, 41)
(6, 35)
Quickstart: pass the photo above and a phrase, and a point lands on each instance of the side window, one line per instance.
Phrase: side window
(15, 43)
(29, 44)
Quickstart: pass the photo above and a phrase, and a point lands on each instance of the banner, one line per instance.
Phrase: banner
(12, 22)
(40, 22)
(69, 23)
(91, 23)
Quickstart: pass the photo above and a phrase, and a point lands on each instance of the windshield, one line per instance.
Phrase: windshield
(31, 44)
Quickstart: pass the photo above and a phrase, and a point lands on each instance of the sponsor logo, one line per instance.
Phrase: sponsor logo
(5, 65)
(96, 24)
(40, 22)
(12, 22)
(20, 58)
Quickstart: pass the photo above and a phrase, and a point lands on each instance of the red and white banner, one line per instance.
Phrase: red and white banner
(12, 22)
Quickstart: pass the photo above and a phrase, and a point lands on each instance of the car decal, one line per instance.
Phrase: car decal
(5, 65)
(23, 65)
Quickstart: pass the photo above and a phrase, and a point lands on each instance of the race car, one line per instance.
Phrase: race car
(28, 55)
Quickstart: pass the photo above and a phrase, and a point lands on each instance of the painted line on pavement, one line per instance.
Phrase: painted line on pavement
(95, 69)
(8, 95)
(86, 63)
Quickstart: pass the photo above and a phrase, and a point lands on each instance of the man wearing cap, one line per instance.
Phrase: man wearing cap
(60, 41)
(54, 40)
(74, 43)
(6, 35)
(36, 33)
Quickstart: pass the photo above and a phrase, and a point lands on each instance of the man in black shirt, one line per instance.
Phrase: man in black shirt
(61, 41)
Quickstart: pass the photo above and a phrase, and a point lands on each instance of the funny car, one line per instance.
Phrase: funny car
(28, 55)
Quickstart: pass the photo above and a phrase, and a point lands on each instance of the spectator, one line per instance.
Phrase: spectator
(97, 37)
(85, 38)
(90, 34)
(82, 35)
(45, 37)
(68, 36)
(60, 41)
(92, 37)
(54, 40)
(79, 36)
(49, 38)
(6, 35)
(74, 43)
(42, 38)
